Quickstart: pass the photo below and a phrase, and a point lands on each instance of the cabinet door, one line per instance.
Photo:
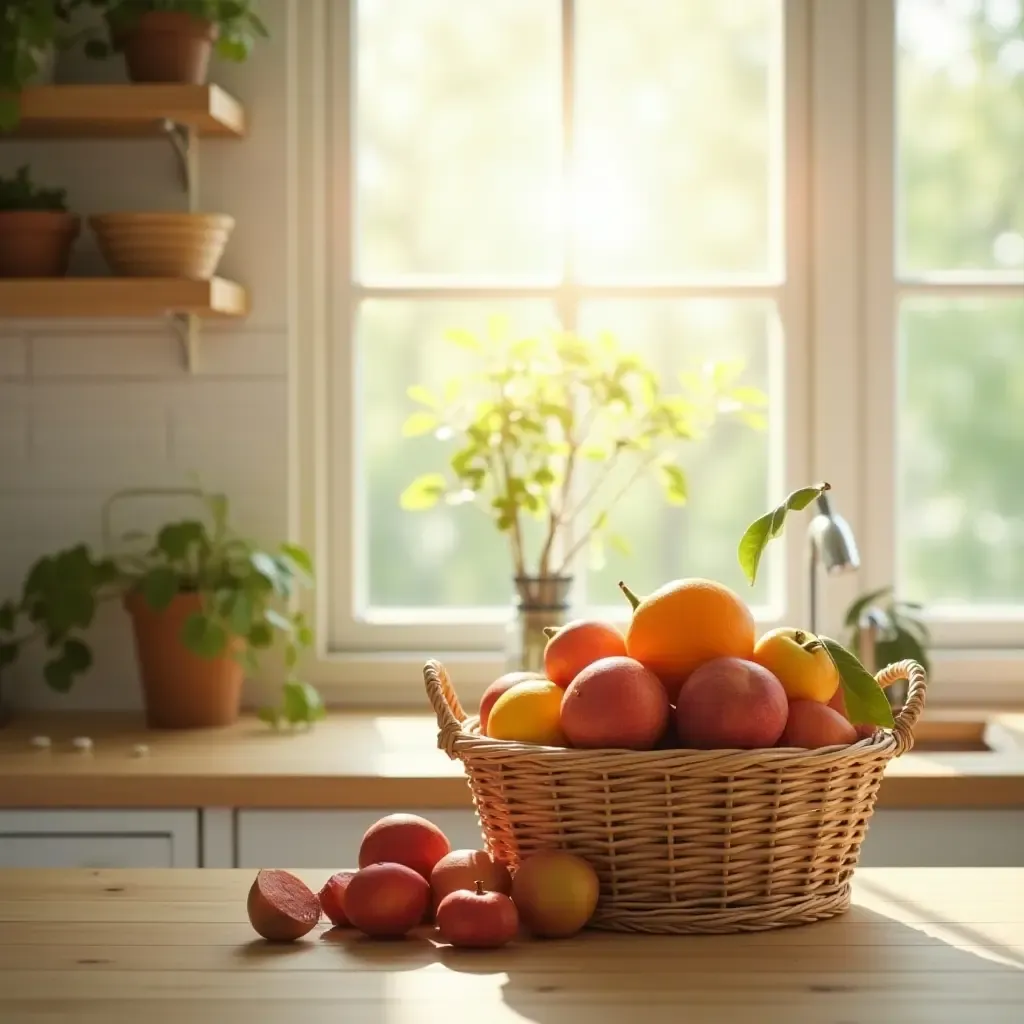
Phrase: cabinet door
(329, 840)
(99, 839)
(944, 839)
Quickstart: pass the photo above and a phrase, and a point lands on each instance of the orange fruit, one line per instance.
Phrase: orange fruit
(578, 644)
(529, 712)
(804, 674)
(684, 624)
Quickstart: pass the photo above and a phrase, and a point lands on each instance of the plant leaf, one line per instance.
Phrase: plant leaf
(419, 423)
(159, 587)
(302, 702)
(203, 636)
(270, 715)
(418, 393)
(866, 702)
(769, 526)
(853, 613)
(301, 557)
(423, 492)
(673, 480)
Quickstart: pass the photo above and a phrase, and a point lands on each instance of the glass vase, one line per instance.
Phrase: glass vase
(541, 601)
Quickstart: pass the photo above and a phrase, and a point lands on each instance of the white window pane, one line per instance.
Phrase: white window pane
(728, 471)
(679, 137)
(960, 135)
(457, 139)
(446, 556)
(961, 452)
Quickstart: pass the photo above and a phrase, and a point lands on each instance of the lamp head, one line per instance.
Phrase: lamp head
(833, 540)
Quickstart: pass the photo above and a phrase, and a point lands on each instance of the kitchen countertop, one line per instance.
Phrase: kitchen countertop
(365, 760)
(919, 946)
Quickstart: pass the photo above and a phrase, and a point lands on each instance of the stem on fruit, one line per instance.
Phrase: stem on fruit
(800, 637)
(812, 645)
(549, 631)
(630, 596)
(479, 887)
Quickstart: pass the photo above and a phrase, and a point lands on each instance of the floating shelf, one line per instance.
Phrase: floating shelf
(49, 298)
(127, 111)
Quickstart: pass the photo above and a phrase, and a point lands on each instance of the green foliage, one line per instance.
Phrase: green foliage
(541, 415)
(769, 526)
(28, 30)
(19, 193)
(866, 702)
(245, 590)
(239, 25)
(902, 633)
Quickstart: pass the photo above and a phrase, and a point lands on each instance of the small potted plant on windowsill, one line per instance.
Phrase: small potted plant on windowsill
(31, 33)
(36, 230)
(204, 604)
(173, 40)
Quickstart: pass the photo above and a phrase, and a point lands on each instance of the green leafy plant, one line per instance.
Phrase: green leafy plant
(902, 633)
(244, 587)
(558, 428)
(238, 24)
(29, 31)
(866, 702)
(19, 193)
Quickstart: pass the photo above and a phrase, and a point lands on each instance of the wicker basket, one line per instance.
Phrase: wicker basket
(685, 841)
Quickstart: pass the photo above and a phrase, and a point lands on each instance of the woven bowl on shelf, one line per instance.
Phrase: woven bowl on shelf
(188, 245)
(685, 841)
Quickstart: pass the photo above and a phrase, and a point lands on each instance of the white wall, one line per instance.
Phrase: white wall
(87, 407)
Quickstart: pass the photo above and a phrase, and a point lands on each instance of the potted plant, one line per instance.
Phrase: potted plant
(36, 229)
(30, 35)
(558, 428)
(204, 604)
(173, 40)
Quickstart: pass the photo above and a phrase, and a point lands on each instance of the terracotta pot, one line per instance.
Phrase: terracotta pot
(36, 243)
(186, 245)
(169, 46)
(182, 690)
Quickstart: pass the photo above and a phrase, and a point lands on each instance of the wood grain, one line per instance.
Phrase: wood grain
(127, 111)
(121, 297)
(358, 759)
(942, 946)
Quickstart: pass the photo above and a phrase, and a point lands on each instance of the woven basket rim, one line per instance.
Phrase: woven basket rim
(457, 738)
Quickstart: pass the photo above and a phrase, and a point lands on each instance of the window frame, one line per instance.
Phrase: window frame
(831, 301)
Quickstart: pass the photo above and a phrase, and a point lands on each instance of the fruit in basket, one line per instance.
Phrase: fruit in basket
(332, 897)
(476, 918)
(669, 739)
(385, 901)
(578, 644)
(615, 702)
(684, 624)
(555, 893)
(800, 662)
(838, 703)
(281, 907)
(731, 703)
(497, 688)
(404, 839)
(812, 724)
(462, 869)
(529, 712)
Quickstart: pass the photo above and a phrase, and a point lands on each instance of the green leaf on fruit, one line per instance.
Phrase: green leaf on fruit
(866, 702)
(769, 526)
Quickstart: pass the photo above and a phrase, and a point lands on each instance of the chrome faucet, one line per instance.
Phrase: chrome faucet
(833, 545)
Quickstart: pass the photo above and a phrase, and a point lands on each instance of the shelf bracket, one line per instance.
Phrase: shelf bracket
(186, 327)
(183, 141)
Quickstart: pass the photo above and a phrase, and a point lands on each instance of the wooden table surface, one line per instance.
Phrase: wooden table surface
(929, 946)
(361, 759)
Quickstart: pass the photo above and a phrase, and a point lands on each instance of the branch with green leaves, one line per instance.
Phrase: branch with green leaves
(866, 702)
(558, 428)
(245, 589)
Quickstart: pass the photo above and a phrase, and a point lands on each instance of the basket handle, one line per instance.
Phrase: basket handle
(445, 703)
(911, 710)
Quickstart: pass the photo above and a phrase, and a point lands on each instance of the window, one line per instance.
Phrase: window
(828, 192)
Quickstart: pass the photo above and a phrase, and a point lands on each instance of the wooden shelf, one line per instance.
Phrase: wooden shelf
(127, 111)
(47, 298)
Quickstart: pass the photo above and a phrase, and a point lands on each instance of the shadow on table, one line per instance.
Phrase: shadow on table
(888, 972)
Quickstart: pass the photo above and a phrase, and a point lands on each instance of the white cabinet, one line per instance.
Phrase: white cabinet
(329, 839)
(940, 839)
(99, 839)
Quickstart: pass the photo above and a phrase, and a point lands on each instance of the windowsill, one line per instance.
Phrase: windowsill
(365, 759)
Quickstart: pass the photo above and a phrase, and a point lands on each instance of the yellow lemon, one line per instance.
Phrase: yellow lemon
(528, 713)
